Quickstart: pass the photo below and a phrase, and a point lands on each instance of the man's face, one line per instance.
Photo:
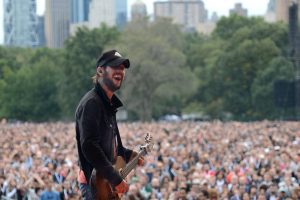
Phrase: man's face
(113, 77)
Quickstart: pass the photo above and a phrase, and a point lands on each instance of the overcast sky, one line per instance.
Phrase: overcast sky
(255, 7)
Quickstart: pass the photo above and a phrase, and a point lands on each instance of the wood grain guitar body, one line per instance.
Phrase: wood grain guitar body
(104, 190)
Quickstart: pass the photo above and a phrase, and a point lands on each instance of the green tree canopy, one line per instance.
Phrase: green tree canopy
(262, 89)
(229, 63)
(158, 80)
(30, 93)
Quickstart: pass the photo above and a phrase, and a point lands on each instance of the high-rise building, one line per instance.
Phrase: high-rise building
(270, 15)
(109, 12)
(281, 10)
(214, 17)
(208, 26)
(121, 13)
(20, 23)
(271, 6)
(57, 22)
(138, 10)
(102, 11)
(188, 13)
(86, 10)
(79, 10)
(278, 10)
(41, 31)
(239, 10)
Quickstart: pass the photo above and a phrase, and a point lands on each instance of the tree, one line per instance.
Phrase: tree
(263, 88)
(227, 26)
(239, 69)
(158, 80)
(228, 63)
(30, 93)
(193, 49)
(13, 58)
(203, 54)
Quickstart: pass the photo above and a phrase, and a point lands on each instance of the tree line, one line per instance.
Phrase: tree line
(227, 75)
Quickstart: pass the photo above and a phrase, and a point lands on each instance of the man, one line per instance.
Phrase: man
(48, 193)
(97, 134)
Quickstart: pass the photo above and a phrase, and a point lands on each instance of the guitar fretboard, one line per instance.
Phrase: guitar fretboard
(132, 164)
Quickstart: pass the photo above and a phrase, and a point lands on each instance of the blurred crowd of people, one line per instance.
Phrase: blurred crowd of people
(189, 160)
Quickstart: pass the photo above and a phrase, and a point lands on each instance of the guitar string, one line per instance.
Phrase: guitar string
(131, 165)
(124, 172)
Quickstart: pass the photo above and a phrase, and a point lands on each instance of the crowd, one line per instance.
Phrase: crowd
(189, 161)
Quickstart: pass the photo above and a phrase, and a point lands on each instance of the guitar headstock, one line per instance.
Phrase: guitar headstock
(148, 146)
(148, 138)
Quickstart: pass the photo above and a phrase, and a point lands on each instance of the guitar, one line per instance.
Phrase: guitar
(102, 187)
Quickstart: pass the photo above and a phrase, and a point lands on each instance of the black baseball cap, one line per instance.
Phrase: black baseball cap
(112, 58)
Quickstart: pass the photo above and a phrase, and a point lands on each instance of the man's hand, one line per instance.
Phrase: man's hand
(141, 160)
(123, 187)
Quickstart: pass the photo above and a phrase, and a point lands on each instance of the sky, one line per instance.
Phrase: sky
(222, 7)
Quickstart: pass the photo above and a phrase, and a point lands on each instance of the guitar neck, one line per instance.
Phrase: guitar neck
(131, 165)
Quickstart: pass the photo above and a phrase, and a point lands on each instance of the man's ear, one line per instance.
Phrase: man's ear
(100, 71)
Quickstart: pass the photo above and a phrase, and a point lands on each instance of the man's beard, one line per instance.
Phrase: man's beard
(110, 84)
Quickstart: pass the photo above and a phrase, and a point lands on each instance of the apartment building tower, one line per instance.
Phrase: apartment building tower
(138, 10)
(102, 11)
(79, 10)
(239, 10)
(57, 22)
(188, 13)
(121, 13)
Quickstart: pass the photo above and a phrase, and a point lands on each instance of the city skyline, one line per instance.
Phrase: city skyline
(255, 7)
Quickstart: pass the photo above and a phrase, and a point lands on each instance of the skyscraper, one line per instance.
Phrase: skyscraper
(57, 22)
(281, 10)
(188, 13)
(270, 15)
(20, 23)
(109, 12)
(121, 13)
(239, 10)
(79, 10)
(86, 9)
(41, 31)
(271, 6)
(138, 10)
(102, 11)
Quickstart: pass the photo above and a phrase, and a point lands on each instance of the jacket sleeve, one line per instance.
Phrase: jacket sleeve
(90, 139)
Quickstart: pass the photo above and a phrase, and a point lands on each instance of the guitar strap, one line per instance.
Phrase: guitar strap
(120, 145)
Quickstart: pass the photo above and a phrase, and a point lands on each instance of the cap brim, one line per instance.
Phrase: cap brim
(119, 61)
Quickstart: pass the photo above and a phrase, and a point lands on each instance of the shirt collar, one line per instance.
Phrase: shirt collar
(115, 102)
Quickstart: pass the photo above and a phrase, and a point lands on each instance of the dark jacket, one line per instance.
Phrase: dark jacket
(96, 132)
